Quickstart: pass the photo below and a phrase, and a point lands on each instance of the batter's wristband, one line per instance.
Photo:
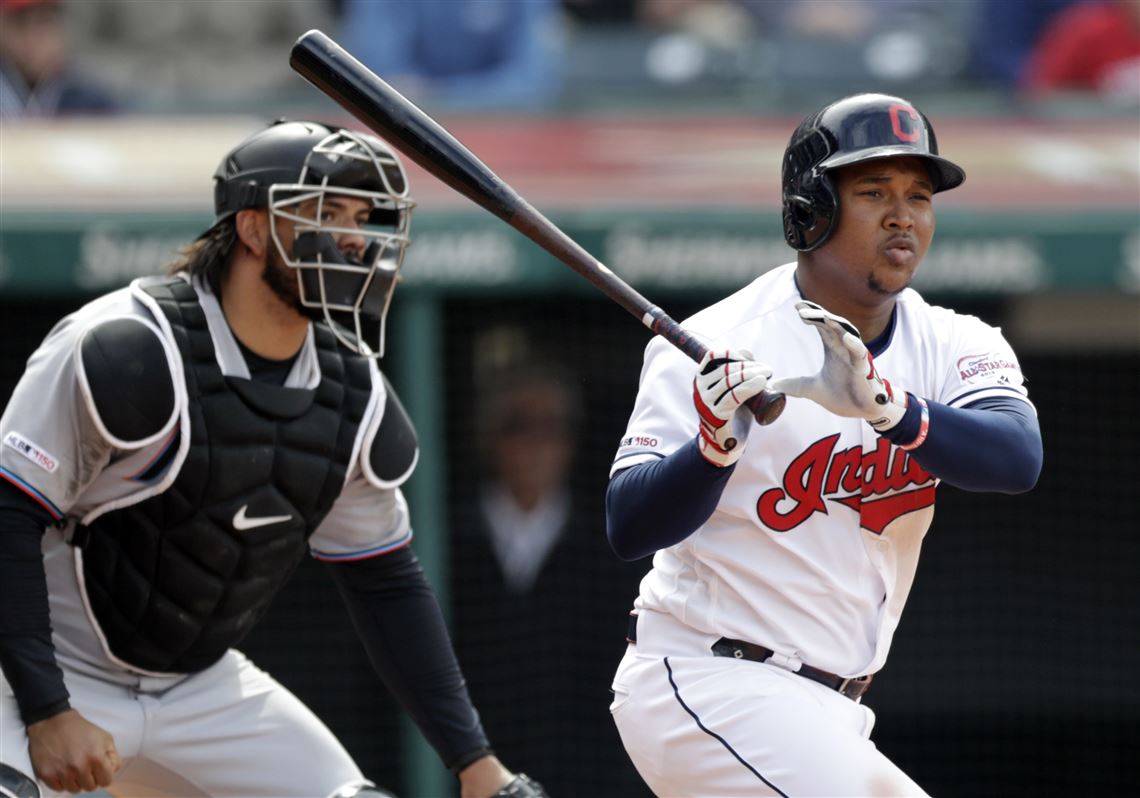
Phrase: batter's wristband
(923, 426)
(469, 758)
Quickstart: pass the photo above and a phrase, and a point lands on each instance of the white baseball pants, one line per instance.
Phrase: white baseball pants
(711, 727)
(231, 730)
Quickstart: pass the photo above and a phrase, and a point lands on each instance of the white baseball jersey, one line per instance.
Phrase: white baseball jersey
(813, 547)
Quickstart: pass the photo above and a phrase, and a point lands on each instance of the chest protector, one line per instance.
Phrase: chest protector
(178, 578)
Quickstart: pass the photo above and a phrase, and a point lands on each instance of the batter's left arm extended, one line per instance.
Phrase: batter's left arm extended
(1004, 454)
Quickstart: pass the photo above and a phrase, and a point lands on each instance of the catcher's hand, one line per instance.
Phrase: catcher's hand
(522, 786)
(848, 384)
(725, 380)
(71, 754)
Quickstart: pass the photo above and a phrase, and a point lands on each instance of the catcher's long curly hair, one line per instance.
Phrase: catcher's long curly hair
(209, 255)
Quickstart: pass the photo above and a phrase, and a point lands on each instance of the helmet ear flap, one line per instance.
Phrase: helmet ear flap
(799, 217)
(808, 221)
(809, 201)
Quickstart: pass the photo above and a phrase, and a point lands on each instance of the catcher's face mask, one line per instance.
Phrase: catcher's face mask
(343, 287)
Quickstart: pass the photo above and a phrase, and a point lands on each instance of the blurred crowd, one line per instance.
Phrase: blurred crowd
(60, 57)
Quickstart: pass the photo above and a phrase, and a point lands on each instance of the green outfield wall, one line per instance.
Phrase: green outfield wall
(1003, 254)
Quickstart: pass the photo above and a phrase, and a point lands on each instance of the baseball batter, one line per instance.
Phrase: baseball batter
(172, 451)
(785, 554)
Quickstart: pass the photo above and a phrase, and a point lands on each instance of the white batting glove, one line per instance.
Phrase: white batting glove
(725, 380)
(848, 384)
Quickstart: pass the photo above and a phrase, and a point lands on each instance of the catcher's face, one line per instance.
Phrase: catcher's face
(338, 212)
(343, 213)
(886, 223)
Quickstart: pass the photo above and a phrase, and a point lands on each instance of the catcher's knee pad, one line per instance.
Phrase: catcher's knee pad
(14, 784)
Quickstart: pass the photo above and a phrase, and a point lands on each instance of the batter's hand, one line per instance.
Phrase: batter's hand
(848, 384)
(71, 754)
(725, 380)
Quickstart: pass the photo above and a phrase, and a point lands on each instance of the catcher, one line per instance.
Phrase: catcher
(170, 454)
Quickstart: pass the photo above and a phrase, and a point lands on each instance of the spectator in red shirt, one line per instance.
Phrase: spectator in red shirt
(1091, 46)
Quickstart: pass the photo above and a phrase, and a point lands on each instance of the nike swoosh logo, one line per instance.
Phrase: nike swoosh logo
(243, 522)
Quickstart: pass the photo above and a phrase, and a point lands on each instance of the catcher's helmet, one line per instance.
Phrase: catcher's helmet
(862, 127)
(290, 168)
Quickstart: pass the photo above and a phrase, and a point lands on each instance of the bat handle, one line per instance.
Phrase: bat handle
(766, 406)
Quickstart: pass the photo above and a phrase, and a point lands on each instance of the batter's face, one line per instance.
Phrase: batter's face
(886, 223)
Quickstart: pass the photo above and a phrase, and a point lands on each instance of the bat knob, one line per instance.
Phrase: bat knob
(767, 407)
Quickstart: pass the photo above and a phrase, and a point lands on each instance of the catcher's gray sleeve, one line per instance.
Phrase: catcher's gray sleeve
(65, 424)
(51, 447)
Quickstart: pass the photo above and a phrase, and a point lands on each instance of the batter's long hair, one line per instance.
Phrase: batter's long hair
(209, 255)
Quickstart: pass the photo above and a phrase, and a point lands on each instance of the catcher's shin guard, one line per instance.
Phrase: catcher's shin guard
(14, 784)
(522, 786)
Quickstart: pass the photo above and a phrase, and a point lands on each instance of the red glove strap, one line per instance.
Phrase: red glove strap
(923, 426)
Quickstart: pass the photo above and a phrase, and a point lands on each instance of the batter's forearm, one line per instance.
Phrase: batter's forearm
(654, 505)
(992, 445)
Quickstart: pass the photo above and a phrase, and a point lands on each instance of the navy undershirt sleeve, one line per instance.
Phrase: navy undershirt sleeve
(653, 505)
(27, 655)
(991, 445)
(398, 619)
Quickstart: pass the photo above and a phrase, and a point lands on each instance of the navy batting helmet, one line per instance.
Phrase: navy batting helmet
(862, 127)
(289, 169)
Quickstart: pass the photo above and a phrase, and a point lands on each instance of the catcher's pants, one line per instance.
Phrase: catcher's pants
(699, 725)
(230, 730)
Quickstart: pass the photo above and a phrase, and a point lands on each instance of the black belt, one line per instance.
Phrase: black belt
(852, 688)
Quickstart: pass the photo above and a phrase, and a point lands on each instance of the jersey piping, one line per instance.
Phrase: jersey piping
(364, 554)
(31, 493)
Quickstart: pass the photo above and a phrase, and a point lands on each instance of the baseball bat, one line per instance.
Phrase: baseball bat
(353, 86)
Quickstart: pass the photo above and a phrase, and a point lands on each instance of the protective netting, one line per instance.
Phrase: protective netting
(1014, 670)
